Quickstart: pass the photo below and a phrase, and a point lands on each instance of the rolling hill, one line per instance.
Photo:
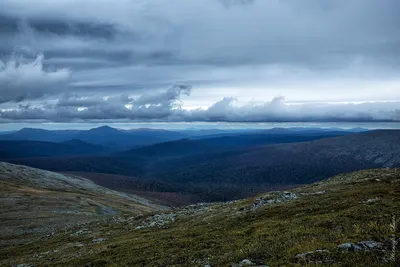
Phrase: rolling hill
(293, 163)
(213, 144)
(157, 190)
(26, 149)
(37, 202)
(40, 135)
(123, 165)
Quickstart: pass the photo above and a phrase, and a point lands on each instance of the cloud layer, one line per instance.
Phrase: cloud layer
(62, 60)
(167, 106)
(21, 81)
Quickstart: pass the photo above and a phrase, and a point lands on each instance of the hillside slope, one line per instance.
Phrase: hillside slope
(156, 190)
(35, 201)
(187, 147)
(33, 134)
(344, 221)
(26, 149)
(294, 163)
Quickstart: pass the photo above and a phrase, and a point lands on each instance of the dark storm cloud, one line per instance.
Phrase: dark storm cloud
(105, 59)
(15, 25)
(26, 81)
(154, 106)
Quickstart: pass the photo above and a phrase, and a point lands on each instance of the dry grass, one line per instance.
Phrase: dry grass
(324, 215)
(36, 203)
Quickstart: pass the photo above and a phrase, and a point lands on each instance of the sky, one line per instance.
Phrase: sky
(236, 61)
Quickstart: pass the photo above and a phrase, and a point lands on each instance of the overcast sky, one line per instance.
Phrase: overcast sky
(199, 60)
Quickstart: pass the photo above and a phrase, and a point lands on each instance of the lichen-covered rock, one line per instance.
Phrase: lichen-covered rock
(349, 247)
(370, 245)
(247, 262)
(82, 232)
(372, 200)
(280, 198)
(361, 246)
(317, 256)
(98, 240)
(158, 220)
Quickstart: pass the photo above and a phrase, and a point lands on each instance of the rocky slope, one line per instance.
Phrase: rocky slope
(36, 202)
(348, 220)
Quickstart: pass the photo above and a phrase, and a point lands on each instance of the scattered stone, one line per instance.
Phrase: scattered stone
(313, 193)
(158, 220)
(361, 246)
(82, 232)
(372, 200)
(245, 262)
(201, 262)
(282, 197)
(196, 209)
(105, 210)
(349, 247)
(317, 256)
(98, 240)
(122, 220)
(370, 245)
(46, 253)
(79, 245)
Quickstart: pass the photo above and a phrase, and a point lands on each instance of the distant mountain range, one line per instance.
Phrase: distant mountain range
(126, 139)
(218, 167)
(104, 136)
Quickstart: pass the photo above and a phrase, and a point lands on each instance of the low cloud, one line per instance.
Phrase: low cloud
(27, 80)
(167, 106)
(277, 110)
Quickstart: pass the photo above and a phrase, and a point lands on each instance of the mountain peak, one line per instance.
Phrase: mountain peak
(104, 128)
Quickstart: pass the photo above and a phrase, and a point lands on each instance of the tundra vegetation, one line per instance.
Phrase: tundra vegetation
(346, 220)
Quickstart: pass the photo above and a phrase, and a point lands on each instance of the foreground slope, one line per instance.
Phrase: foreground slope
(347, 220)
(36, 202)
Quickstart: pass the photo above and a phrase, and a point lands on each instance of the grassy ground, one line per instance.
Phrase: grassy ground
(36, 203)
(347, 208)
